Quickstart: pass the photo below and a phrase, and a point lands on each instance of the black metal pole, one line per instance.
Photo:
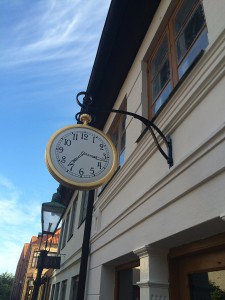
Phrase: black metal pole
(38, 282)
(85, 248)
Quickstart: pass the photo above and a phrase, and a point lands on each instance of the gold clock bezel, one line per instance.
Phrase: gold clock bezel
(74, 184)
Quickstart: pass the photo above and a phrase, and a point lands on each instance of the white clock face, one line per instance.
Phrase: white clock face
(82, 155)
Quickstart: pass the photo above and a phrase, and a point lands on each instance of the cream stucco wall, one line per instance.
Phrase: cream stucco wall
(146, 202)
(71, 253)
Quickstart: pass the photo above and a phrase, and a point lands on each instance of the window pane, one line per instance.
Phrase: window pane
(159, 57)
(123, 123)
(61, 236)
(199, 45)
(72, 218)
(123, 142)
(63, 290)
(162, 98)
(207, 285)
(182, 15)
(114, 137)
(57, 291)
(161, 79)
(189, 33)
(53, 292)
(83, 209)
(74, 286)
(118, 137)
(65, 230)
(160, 69)
(35, 258)
(122, 158)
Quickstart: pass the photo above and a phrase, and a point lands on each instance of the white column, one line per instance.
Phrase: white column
(153, 283)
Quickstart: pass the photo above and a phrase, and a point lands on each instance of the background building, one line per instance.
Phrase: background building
(26, 269)
(18, 282)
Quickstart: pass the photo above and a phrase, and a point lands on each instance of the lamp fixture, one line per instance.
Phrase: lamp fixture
(51, 213)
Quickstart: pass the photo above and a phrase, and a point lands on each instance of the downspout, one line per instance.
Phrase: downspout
(85, 247)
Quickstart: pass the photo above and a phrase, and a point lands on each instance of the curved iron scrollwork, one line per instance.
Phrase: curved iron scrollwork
(86, 107)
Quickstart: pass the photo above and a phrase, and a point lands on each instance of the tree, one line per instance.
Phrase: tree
(216, 292)
(6, 281)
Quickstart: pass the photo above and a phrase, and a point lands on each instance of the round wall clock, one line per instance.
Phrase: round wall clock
(81, 157)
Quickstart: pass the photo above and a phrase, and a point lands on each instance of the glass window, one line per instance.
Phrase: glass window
(83, 209)
(34, 259)
(184, 39)
(57, 291)
(74, 286)
(61, 236)
(72, 220)
(160, 69)
(65, 229)
(118, 135)
(207, 285)
(63, 290)
(52, 292)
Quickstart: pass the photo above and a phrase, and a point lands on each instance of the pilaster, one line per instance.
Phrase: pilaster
(153, 273)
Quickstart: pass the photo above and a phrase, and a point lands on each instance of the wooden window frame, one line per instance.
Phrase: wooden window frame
(200, 256)
(172, 56)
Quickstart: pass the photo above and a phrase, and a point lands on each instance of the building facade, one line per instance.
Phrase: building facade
(158, 231)
(26, 271)
(64, 282)
(18, 282)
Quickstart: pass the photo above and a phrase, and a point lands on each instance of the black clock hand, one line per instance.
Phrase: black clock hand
(96, 157)
(72, 163)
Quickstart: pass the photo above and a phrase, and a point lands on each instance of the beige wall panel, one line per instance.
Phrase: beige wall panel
(214, 13)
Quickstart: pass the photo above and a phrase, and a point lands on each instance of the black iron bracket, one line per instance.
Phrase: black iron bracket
(86, 108)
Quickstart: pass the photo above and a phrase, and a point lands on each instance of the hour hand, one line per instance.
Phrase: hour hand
(74, 160)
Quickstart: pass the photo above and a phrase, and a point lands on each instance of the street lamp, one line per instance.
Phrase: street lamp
(51, 213)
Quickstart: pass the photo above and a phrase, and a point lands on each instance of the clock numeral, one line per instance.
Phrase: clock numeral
(99, 164)
(81, 171)
(84, 136)
(101, 146)
(93, 140)
(105, 156)
(60, 149)
(67, 142)
(92, 171)
(75, 136)
(63, 160)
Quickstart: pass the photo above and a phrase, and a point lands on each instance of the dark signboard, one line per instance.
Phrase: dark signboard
(49, 262)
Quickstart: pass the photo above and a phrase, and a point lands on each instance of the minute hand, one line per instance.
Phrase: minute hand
(96, 157)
